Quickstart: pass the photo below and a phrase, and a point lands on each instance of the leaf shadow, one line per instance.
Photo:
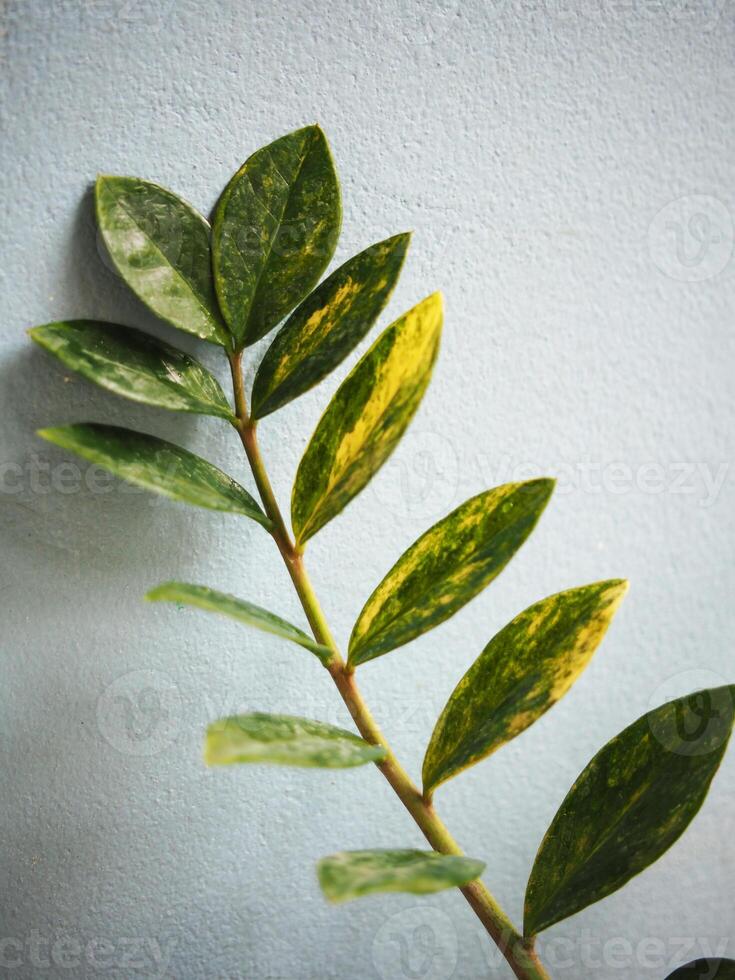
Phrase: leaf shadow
(70, 542)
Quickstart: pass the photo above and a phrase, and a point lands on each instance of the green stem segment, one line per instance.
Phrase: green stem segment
(519, 952)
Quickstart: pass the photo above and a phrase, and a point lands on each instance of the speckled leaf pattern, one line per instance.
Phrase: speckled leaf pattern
(244, 612)
(353, 874)
(275, 229)
(161, 247)
(634, 799)
(522, 672)
(156, 465)
(448, 566)
(135, 365)
(366, 418)
(283, 740)
(330, 323)
(705, 969)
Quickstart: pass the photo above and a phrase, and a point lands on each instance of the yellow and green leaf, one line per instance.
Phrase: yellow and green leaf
(447, 566)
(522, 672)
(161, 247)
(631, 803)
(239, 609)
(283, 740)
(329, 323)
(366, 418)
(156, 465)
(353, 874)
(275, 229)
(135, 365)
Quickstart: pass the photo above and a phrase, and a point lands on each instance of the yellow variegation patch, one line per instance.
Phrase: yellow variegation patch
(447, 566)
(329, 323)
(366, 418)
(524, 670)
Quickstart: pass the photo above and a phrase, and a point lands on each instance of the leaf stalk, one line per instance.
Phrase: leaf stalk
(519, 952)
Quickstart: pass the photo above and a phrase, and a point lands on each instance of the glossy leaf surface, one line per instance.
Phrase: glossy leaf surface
(275, 229)
(161, 247)
(286, 741)
(634, 799)
(366, 418)
(353, 874)
(448, 566)
(135, 365)
(705, 969)
(524, 670)
(330, 323)
(244, 612)
(156, 465)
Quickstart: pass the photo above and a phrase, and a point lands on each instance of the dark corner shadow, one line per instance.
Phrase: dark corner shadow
(37, 391)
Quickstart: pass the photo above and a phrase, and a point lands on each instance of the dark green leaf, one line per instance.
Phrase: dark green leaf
(286, 741)
(366, 418)
(275, 229)
(524, 670)
(634, 799)
(447, 566)
(352, 874)
(239, 609)
(705, 969)
(330, 323)
(156, 465)
(160, 246)
(134, 365)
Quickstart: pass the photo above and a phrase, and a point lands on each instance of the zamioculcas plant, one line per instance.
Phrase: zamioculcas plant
(274, 232)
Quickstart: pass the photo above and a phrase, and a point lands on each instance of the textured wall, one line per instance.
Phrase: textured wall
(568, 170)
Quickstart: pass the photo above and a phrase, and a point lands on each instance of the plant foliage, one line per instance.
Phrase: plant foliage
(275, 230)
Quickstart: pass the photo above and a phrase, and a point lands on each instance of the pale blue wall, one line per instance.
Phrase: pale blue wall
(537, 149)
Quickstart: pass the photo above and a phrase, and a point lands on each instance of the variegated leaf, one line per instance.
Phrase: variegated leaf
(634, 799)
(524, 670)
(135, 365)
(447, 566)
(366, 418)
(275, 229)
(160, 246)
(244, 612)
(283, 740)
(705, 969)
(156, 465)
(330, 322)
(353, 874)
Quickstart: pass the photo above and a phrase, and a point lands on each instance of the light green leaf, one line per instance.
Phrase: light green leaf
(239, 609)
(634, 799)
(705, 969)
(135, 365)
(522, 672)
(283, 740)
(160, 246)
(366, 418)
(330, 323)
(352, 874)
(156, 465)
(275, 229)
(448, 566)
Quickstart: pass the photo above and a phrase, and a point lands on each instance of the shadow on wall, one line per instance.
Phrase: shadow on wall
(67, 513)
